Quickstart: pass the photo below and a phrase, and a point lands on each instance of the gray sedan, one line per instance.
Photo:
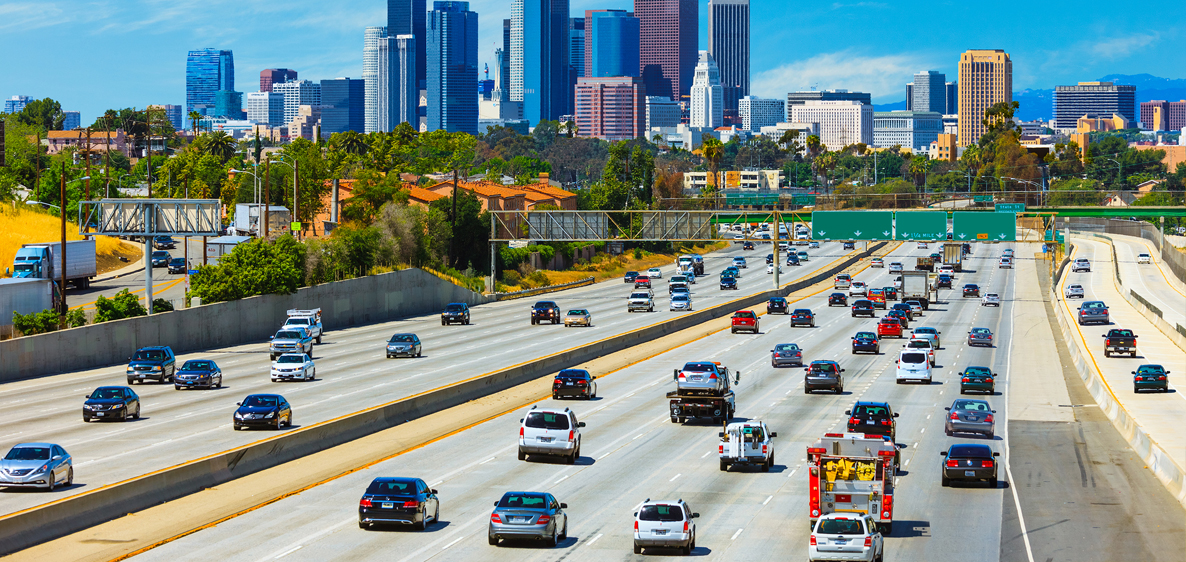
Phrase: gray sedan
(36, 465)
(407, 345)
(970, 416)
(1093, 311)
(980, 336)
(528, 515)
(786, 354)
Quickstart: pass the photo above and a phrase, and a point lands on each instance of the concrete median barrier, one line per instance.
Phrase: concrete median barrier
(59, 518)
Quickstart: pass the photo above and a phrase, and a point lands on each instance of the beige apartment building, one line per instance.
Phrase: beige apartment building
(985, 78)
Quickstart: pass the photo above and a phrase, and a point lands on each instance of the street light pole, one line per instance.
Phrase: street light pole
(62, 214)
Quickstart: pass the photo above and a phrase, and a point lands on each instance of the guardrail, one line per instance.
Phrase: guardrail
(541, 290)
(87, 509)
(1147, 304)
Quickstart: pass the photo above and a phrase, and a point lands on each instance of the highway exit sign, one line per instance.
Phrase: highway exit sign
(968, 226)
(1010, 207)
(982, 198)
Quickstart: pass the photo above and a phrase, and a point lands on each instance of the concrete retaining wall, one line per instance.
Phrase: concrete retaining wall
(366, 300)
(68, 515)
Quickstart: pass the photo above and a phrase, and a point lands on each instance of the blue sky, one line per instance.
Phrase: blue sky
(91, 55)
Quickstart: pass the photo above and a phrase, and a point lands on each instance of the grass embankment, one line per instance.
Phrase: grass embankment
(604, 267)
(20, 226)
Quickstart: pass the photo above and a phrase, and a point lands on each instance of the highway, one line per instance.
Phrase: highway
(1153, 281)
(165, 285)
(631, 452)
(352, 374)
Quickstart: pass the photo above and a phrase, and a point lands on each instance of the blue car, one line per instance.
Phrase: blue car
(198, 373)
(866, 342)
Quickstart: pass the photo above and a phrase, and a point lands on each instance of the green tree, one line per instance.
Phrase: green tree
(712, 149)
(372, 191)
(257, 267)
(122, 305)
(222, 146)
(37, 322)
(44, 114)
(814, 145)
(195, 119)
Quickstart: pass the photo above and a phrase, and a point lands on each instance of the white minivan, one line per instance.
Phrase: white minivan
(913, 365)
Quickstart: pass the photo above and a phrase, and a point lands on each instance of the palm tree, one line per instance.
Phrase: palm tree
(194, 119)
(571, 127)
(221, 145)
(350, 142)
(712, 150)
(919, 166)
(813, 145)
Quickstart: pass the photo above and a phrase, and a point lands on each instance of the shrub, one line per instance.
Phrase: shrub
(638, 253)
(161, 305)
(37, 322)
(539, 279)
(123, 305)
(75, 318)
(511, 277)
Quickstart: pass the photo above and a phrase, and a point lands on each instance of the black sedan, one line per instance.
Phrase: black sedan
(728, 282)
(571, 383)
(838, 299)
(164, 243)
(969, 463)
(901, 315)
(455, 312)
(777, 305)
(866, 342)
(747, 246)
(944, 280)
(803, 316)
(863, 308)
(177, 265)
(111, 403)
(399, 501)
(971, 290)
(198, 373)
(891, 293)
(160, 258)
(630, 276)
(263, 410)
(872, 417)
(792, 259)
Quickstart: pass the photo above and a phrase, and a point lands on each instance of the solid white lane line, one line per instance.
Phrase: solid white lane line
(562, 478)
(706, 454)
(1025, 536)
(734, 537)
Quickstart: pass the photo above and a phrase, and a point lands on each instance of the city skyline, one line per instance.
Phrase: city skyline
(1116, 43)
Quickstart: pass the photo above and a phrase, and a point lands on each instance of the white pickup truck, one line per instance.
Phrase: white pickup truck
(747, 443)
(310, 320)
(640, 300)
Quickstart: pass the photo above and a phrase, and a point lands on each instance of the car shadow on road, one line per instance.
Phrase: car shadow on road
(60, 488)
(657, 551)
(907, 528)
(434, 527)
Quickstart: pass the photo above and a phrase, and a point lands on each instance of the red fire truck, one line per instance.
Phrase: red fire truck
(852, 473)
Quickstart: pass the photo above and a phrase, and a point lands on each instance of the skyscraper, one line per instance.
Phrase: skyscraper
(576, 45)
(297, 93)
(206, 73)
(539, 58)
(172, 112)
(370, 75)
(611, 43)
(1095, 98)
(708, 97)
(728, 43)
(453, 67)
(265, 108)
(71, 120)
(669, 31)
(952, 106)
(407, 17)
(16, 104)
(985, 78)
(398, 96)
(504, 72)
(228, 104)
(928, 92)
(612, 108)
(342, 105)
(271, 76)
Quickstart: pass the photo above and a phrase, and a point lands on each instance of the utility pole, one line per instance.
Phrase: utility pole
(107, 163)
(296, 176)
(267, 197)
(37, 160)
(62, 213)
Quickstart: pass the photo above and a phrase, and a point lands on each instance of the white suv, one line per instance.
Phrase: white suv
(857, 288)
(913, 365)
(1081, 264)
(665, 524)
(895, 267)
(550, 432)
(846, 536)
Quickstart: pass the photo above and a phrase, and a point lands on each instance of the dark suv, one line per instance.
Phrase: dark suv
(455, 312)
(777, 304)
(872, 417)
(177, 265)
(544, 311)
(971, 290)
(152, 363)
(823, 375)
(944, 280)
(863, 308)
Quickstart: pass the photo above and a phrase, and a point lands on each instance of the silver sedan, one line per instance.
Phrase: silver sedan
(528, 515)
(980, 336)
(786, 354)
(970, 416)
(36, 465)
(1074, 291)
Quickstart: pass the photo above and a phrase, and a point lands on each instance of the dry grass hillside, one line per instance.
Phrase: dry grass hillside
(19, 226)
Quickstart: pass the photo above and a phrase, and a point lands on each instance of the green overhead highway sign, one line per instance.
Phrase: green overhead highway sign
(1010, 207)
(972, 226)
(920, 225)
(1054, 236)
(982, 198)
(852, 225)
(803, 199)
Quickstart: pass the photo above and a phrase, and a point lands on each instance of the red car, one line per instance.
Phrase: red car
(642, 281)
(745, 320)
(889, 327)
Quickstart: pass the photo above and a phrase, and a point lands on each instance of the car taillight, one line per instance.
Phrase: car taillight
(682, 377)
(365, 502)
(558, 383)
(570, 434)
(686, 525)
(955, 416)
(965, 379)
(412, 504)
(1108, 341)
(1161, 378)
(520, 432)
(635, 525)
(581, 383)
(868, 541)
(812, 540)
(763, 449)
(852, 421)
(952, 464)
(712, 376)
(986, 464)
(988, 418)
(494, 518)
(543, 520)
(721, 449)
(988, 380)
(990, 337)
(885, 422)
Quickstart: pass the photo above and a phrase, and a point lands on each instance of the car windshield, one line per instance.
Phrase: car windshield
(288, 335)
(545, 304)
(149, 355)
(291, 359)
(841, 527)
(107, 393)
(572, 374)
(862, 302)
(990, 295)
(971, 405)
(872, 410)
(160, 254)
(866, 335)
(977, 371)
(778, 300)
(919, 344)
(454, 308)
(298, 322)
(699, 367)
(969, 452)
(261, 401)
(743, 315)
(524, 501)
(177, 261)
(1121, 333)
(929, 331)
(392, 488)
(547, 420)
(28, 454)
(661, 513)
(578, 312)
(981, 331)
(823, 367)
(680, 297)
(197, 366)
(632, 273)
(401, 338)
(639, 296)
(786, 347)
(889, 321)
(914, 358)
(1076, 287)
(1093, 304)
(802, 311)
(1151, 369)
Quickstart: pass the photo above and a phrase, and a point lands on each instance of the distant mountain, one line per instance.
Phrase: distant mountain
(1146, 82)
(896, 106)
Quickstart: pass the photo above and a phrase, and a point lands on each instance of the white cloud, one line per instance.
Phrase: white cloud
(31, 15)
(1120, 47)
(878, 75)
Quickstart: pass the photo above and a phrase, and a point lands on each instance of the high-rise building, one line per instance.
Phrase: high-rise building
(539, 58)
(952, 106)
(504, 69)
(670, 34)
(172, 113)
(756, 113)
(207, 72)
(370, 75)
(266, 108)
(398, 96)
(1161, 115)
(271, 76)
(708, 97)
(342, 103)
(407, 17)
(910, 129)
(16, 104)
(928, 92)
(728, 42)
(841, 122)
(612, 109)
(611, 43)
(228, 104)
(576, 46)
(1094, 98)
(453, 67)
(297, 93)
(985, 78)
(800, 98)
(662, 111)
(71, 120)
